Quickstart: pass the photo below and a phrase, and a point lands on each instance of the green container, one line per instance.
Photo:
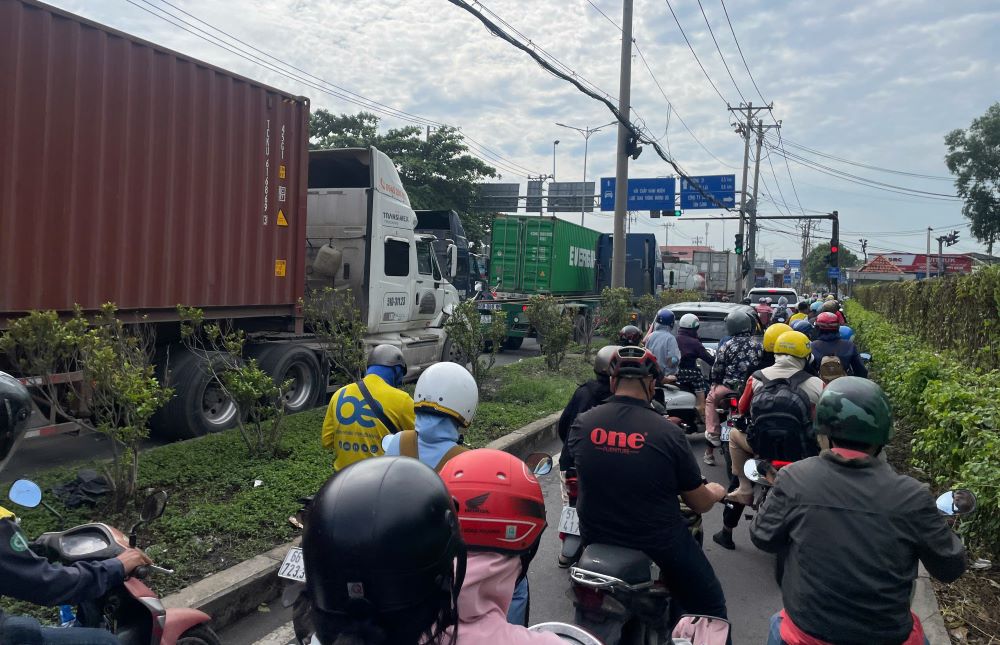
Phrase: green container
(543, 255)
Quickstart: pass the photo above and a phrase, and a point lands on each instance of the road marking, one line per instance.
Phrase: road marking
(284, 635)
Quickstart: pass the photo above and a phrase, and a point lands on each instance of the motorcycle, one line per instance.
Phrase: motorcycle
(569, 524)
(679, 404)
(762, 473)
(293, 569)
(132, 612)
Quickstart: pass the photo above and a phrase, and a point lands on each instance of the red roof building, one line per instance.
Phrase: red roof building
(683, 253)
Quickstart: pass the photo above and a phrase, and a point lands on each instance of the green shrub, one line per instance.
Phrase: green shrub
(554, 326)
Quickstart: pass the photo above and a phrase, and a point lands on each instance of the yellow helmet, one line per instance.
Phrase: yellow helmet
(793, 343)
(772, 333)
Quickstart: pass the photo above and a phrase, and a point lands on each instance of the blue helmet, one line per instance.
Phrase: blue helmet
(846, 332)
(803, 326)
(665, 317)
(816, 306)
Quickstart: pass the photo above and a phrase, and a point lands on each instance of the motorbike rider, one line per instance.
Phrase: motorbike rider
(851, 530)
(390, 577)
(764, 311)
(361, 414)
(663, 344)
(829, 343)
(801, 312)
(734, 362)
(781, 313)
(689, 374)
(833, 306)
(501, 512)
(445, 401)
(630, 335)
(632, 464)
(31, 578)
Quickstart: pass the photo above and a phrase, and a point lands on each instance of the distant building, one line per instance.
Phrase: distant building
(879, 269)
(682, 253)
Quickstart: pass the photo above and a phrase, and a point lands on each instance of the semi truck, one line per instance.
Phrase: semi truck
(463, 267)
(132, 174)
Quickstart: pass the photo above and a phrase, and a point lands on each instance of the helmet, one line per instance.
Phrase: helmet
(830, 297)
(846, 332)
(762, 301)
(747, 301)
(855, 409)
(739, 322)
(803, 326)
(816, 305)
(449, 390)
(15, 408)
(665, 317)
(690, 321)
(390, 356)
(772, 333)
(793, 343)
(830, 305)
(603, 359)
(768, 300)
(827, 321)
(634, 362)
(405, 561)
(630, 335)
(500, 503)
(782, 300)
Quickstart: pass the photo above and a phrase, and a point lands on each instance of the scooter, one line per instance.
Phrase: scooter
(762, 472)
(569, 524)
(293, 569)
(679, 404)
(132, 612)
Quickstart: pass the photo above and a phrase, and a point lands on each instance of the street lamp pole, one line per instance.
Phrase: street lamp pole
(554, 144)
(586, 132)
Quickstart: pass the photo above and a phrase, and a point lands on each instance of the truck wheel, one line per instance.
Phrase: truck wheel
(450, 353)
(199, 405)
(284, 362)
(580, 329)
(513, 343)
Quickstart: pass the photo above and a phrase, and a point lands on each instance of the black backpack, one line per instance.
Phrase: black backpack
(780, 420)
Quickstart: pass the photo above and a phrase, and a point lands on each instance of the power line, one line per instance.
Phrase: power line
(719, 49)
(693, 53)
(740, 49)
(868, 166)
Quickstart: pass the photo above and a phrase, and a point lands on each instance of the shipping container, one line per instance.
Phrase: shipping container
(721, 270)
(136, 175)
(542, 255)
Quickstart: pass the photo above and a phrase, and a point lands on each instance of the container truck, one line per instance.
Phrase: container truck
(452, 248)
(643, 265)
(132, 174)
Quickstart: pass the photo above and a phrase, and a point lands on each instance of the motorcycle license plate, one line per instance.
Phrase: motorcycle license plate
(485, 319)
(293, 567)
(725, 429)
(568, 521)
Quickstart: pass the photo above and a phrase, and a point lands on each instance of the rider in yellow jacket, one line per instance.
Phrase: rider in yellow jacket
(352, 429)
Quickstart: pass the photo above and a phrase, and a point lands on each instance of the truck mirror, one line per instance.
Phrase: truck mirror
(452, 260)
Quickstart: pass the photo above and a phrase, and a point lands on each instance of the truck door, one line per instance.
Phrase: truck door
(428, 290)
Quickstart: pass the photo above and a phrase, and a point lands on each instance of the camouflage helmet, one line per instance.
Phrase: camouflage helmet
(855, 409)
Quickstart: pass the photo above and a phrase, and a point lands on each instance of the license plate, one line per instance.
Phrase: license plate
(292, 567)
(485, 319)
(724, 435)
(489, 306)
(568, 521)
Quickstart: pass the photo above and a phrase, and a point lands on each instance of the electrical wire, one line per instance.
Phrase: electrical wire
(693, 53)
(740, 50)
(719, 49)
(868, 166)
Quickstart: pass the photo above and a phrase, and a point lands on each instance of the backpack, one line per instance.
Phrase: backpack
(408, 448)
(831, 368)
(780, 419)
(781, 315)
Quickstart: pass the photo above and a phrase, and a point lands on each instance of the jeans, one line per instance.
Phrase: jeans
(22, 630)
(517, 614)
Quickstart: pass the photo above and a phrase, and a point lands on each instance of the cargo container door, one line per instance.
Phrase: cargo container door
(538, 254)
(507, 254)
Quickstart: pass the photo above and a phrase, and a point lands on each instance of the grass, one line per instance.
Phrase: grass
(217, 517)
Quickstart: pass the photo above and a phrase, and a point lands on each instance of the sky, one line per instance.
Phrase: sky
(878, 82)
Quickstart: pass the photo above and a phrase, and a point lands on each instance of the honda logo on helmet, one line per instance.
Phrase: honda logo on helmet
(474, 504)
(625, 442)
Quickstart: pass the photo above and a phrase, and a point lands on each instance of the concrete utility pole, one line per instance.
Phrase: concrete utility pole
(751, 251)
(745, 128)
(927, 268)
(621, 171)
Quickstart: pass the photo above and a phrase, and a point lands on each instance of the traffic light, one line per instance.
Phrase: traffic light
(832, 259)
(739, 244)
(677, 212)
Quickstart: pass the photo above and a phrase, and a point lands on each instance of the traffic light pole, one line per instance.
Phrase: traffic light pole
(835, 250)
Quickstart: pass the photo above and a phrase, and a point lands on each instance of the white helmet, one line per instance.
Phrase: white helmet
(689, 321)
(448, 389)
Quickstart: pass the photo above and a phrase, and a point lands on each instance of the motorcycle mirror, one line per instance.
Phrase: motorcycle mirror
(750, 470)
(153, 506)
(539, 463)
(26, 493)
(568, 633)
(961, 501)
(865, 356)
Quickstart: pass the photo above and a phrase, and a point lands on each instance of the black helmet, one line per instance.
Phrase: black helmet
(634, 362)
(747, 301)
(855, 409)
(630, 335)
(383, 547)
(602, 361)
(15, 408)
(740, 322)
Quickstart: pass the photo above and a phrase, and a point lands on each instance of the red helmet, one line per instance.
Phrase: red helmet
(634, 362)
(827, 321)
(500, 503)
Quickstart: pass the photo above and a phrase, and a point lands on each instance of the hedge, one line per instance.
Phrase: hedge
(951, 410)
(959, 313)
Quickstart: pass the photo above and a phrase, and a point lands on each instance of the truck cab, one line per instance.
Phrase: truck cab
(451, 247)
(360, 235)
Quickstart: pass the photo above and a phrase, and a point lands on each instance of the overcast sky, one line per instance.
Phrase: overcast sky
(874, 81)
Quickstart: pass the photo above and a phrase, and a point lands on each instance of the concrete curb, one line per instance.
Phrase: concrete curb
(231, 594)
(925, 605)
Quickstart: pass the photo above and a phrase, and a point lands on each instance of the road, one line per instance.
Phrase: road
(747, 577)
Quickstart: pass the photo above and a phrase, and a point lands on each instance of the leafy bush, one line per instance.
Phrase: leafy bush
(471, 338)
(335, 318)
(615, 311)
(670, 296)
(951, 410)
(554, 326)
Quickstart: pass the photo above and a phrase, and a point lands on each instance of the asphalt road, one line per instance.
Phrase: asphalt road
(747, 577)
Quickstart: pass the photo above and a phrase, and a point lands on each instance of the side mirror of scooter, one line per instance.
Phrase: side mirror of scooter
(539, 463)
(866, 357)
(153, 506)
(751, 472)
(26, 493)
(961, 501)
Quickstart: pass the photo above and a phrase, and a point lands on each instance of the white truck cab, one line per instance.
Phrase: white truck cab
(360, 236)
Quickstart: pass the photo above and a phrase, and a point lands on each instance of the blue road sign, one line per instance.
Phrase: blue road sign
(788, 279)
(643, 194)
(779, 264)
(795, 264)
(833, 272)
(721, 187)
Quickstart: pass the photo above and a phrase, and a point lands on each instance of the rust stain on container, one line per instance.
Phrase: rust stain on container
(136, 175)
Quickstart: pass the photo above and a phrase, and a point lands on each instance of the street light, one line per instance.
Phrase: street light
(554, 144)
(586, 132)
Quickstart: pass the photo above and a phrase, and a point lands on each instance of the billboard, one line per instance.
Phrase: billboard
(571, 196)
(501, 198)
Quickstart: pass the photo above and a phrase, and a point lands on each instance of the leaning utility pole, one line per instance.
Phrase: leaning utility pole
(624, 135)
(745, 128)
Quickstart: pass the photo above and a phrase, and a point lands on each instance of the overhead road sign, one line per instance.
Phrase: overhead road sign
(722, 188)
(833, 272)
(657, 194)
(571, 196)
(500, 198)
(534, 201)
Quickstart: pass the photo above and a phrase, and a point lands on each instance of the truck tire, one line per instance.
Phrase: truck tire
(284, 361)
(198, 406)
(450, 353)
(513, 343)
(580, 328)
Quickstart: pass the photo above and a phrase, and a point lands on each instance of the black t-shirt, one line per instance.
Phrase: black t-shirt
(631, 463)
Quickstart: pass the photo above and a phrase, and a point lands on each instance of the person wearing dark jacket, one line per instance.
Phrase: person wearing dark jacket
(829, 343)
(850, 531)
(589, 394)
(689, 374)
(32, 578)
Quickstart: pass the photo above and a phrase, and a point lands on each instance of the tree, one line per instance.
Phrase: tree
(554, 326)
(974, 158)
(436, 169)
(335, 318)
(471, 337)
(816, 263)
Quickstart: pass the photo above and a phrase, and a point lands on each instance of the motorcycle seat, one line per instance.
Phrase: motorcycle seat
(628, 565)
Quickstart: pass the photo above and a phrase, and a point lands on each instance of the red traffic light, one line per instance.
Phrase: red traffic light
(833, 248)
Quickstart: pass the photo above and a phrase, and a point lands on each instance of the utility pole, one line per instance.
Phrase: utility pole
(621, 170)
(864, 249)
(950, 239)
(706, 235)
(835, 249)
(752, 232)
(927, 268)
(745, 128)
